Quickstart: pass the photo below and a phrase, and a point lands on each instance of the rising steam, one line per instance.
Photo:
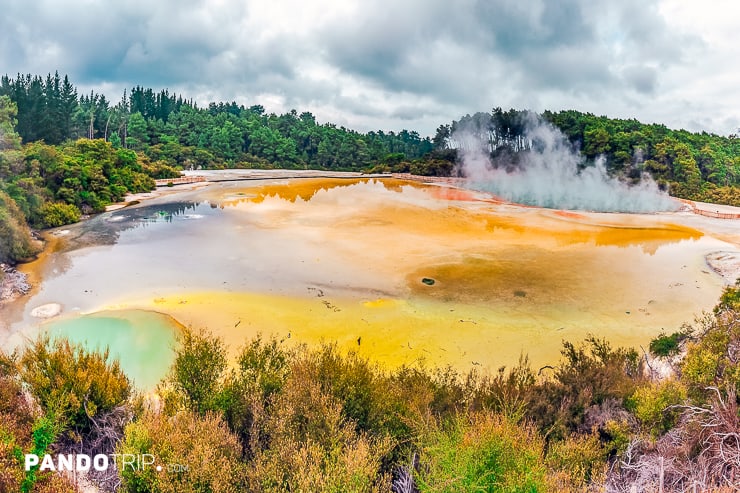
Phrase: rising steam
(552, 174)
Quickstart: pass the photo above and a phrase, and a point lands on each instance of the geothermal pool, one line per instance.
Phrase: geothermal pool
(403, 272)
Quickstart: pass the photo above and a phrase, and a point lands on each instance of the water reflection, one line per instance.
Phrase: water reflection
(106, 229)
(433, 210)
(307, 189)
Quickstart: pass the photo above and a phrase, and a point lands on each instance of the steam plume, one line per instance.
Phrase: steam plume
(552, 174)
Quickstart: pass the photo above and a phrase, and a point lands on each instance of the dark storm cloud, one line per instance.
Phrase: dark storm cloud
(381, 61)
(569, 45)
(516, 28)
(161, 42)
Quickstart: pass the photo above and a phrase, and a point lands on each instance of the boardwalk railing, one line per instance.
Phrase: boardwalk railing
(430, 179)
(709, 213)
(183, 180)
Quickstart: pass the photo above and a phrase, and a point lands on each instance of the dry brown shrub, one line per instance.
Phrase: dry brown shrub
(17, 415)
(702, 452)
(312, 447)
(201, 443)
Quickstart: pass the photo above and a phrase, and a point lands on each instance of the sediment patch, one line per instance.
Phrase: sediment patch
(726, 264)
(12, 283)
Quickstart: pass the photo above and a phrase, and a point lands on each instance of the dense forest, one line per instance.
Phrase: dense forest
(285, 418)
(64, 155)
(166, 127)
(697, 166)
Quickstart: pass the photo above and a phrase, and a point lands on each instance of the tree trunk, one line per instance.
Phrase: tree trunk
(105, 136)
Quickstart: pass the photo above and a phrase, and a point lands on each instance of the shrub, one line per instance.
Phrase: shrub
(72, 384)
(411, 400)
(714, 359)
(200, 361)
(16, 242)
(263, 368)
(590, 375)
(202, 444)
(265, 365)
(359, 386)
(652, 403)
(310, 446)
(54, 214)
(23, 430)
(484, 452)
(730, 299)
(619, 433)
(667, 345)
(507, 393)
(582, 458)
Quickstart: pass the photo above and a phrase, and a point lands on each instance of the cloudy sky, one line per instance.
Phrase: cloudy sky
(393, 64)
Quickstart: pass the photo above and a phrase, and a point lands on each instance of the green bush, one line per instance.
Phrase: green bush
(16, 242)
(730, 299)
(354, 381)
(262, 370)
(590, 374)
(71, 384)
(308, 445)
(507, 392)
(616, 435)
(712, 359)
(200, 362)
(207, 452)
(652, 405)
(664, 345)
(582, 458)
(55, 214)
(484, 452)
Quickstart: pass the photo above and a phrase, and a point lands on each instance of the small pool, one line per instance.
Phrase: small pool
(143, 341)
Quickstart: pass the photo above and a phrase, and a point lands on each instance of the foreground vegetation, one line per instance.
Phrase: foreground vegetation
(315, 419)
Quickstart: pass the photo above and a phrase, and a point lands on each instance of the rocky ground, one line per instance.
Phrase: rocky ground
(726, 264)
(12, 283)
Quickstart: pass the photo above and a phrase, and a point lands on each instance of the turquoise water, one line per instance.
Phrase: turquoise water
(143, 341)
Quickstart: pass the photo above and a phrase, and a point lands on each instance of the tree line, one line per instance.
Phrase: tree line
(174, 131)
(167, 127)
(46, 186)
(699, 166)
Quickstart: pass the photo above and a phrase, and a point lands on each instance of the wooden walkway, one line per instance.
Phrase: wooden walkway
(184, 180)
(708, 213)
(430, 179)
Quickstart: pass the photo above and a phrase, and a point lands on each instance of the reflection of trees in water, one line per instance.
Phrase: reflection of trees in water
(308, 189)
(157, 213)
(105, 229)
